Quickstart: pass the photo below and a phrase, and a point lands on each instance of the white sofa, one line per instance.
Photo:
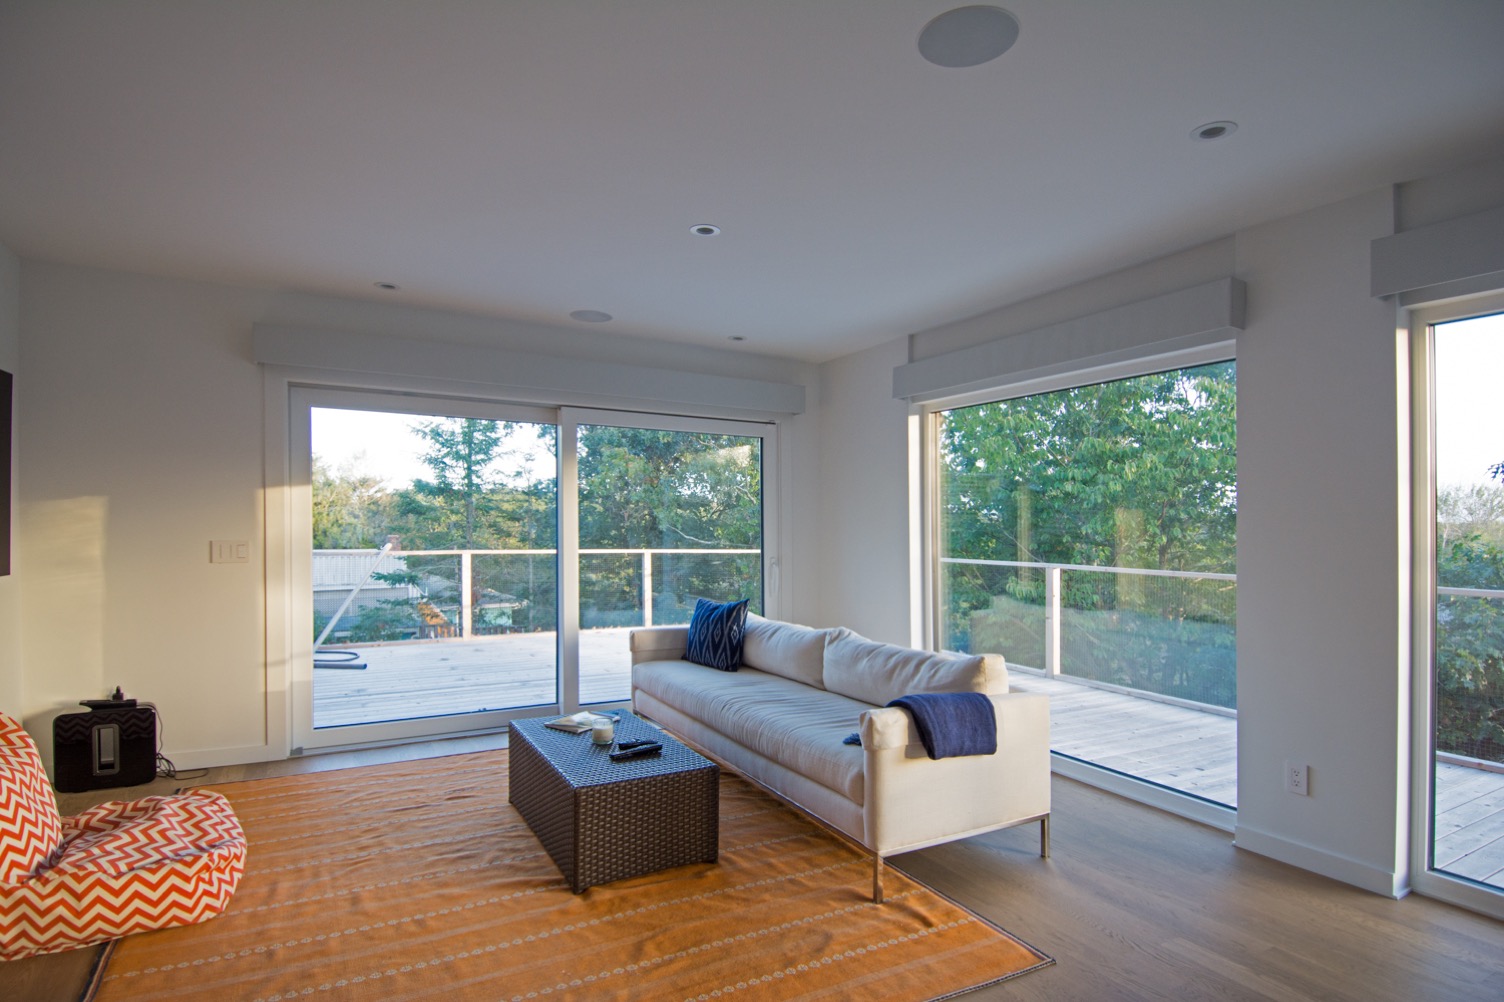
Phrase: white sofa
(780, 720)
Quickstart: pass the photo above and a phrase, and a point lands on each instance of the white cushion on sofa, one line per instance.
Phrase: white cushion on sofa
(879, 673)
(786, 721)
(796, 652)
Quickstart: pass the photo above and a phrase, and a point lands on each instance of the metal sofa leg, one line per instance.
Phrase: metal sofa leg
(1044, 836)
(877, 878)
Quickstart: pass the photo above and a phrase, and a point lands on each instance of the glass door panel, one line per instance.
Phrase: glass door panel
(665, 517)
(1467, 678)
(433, 567)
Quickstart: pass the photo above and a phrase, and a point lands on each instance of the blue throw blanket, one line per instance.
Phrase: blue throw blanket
(953, 723)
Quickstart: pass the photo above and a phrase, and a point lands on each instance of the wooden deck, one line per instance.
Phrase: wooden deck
(1188, 750)
(431, 678)
(1185, 749)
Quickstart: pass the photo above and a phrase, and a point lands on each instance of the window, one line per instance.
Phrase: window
(464, 563)
(1089, 536)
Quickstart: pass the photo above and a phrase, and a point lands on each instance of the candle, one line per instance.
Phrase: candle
(603, 731)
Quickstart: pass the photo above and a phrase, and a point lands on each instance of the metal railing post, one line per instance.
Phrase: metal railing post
(467, 610)
(1051, 619)
(647, 587)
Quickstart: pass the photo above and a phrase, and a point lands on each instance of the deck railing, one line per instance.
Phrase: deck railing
(1163, 633)
(457, 593)
(1469, 703)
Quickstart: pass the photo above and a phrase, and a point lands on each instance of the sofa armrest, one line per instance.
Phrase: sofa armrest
(912, 800)
(657, 643)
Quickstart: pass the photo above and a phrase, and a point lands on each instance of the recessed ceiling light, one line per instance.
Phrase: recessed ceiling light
(705, 229)
(387, 286)
(590, 316)
(1213, 130)
(968, 36)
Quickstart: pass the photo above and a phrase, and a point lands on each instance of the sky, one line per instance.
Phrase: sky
(1469, 400)
(384, 445)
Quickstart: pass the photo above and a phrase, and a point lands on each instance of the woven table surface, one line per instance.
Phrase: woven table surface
(583, 763)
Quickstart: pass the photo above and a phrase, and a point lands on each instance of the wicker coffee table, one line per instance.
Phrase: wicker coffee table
(602, 820)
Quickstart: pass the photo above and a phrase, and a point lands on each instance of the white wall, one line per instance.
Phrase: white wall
(141, 439)
(11, 689)
(1322, 574)
(140, 442)
(864, 500)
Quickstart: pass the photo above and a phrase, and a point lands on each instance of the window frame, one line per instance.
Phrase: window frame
(926, 443)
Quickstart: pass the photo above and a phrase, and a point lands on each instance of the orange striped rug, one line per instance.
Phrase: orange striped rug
(417, 880)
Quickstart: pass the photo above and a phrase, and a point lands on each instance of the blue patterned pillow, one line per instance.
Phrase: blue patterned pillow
(715, 634)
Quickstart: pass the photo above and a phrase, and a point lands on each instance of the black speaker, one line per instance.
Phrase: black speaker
(102, 749)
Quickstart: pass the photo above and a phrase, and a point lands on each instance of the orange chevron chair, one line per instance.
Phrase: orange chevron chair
(116, 869)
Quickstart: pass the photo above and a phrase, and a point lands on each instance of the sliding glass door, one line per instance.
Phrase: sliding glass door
(460, 564)
(1462, 631)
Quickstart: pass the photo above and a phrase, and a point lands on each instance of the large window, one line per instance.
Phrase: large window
(466, 563)
(1089, 536)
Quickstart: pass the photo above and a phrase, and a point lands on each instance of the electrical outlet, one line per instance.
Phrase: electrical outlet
(1297, 779)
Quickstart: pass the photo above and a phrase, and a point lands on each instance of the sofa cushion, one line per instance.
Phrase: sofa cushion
(795, 652)
(879, 673)
(796, 726)
(715, 634)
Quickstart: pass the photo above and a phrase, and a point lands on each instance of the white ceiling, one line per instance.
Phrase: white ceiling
(529, 158)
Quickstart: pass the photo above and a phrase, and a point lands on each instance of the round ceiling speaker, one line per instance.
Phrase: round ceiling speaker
(968, 36)
(1214, 130)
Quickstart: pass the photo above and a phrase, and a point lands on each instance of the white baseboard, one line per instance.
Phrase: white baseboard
(208, 758)
(1322, 861)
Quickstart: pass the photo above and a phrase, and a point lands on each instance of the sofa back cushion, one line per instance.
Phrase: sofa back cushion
(31, 833)
(879, 673)
(792, 651)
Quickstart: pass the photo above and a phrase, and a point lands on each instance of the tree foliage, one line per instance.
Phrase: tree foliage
(1133, 473)
(1470, 629)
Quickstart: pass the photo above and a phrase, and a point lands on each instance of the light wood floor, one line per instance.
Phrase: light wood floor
(1133, 904)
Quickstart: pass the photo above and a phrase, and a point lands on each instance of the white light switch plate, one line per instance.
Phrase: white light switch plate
(229, 551)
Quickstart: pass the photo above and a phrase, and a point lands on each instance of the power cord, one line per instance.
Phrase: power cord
(165, 767)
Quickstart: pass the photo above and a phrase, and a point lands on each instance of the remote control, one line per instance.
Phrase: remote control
(638, 743)
(641, 750)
